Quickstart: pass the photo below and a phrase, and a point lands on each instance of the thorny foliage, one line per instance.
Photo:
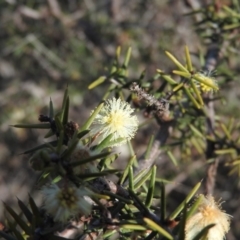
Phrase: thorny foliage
(126, 208)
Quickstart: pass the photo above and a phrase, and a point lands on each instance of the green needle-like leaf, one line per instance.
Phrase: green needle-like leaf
(56, 179)
(18, 219)
(105, 143)
(116, 196)
(65, 111)
(134, 227)
(187, 199)
(171, 156)
(37, 125)
(149, 147)
(202, 234)
(195, 206)
(163, 202)
(89, 176)
(81, 134)
(179, 65)
(97, 82)
(90, 159)
(230, 124)
(196, 131)
(166, 77)
(60, 142)
(118, 53)
(92, 117)
(196, 142)
(126, 171)
(141, 178)
(70, 149)
(35, 211)
(182, 74)
(225, 151)
(178, 87)
(188, 59)
(51, 109)
(131, 150)
(151, 187)
(108, 234)
(155, 227)
(27, 213)
(130, 177)
(65, 97)
(197, 105)
(182, 224)
(138, 203)
(45, 145)
(107, 161)
(196, 91)
(225, 130)
(127, 58)
(58, 123)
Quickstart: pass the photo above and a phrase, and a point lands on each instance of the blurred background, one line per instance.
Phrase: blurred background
(47, 45)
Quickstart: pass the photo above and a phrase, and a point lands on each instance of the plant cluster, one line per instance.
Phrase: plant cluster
(77, 161)
(75, 165)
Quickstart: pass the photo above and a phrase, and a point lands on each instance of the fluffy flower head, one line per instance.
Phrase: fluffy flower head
(209, 212)
(116, 118)
(66, 202)
(208, 78)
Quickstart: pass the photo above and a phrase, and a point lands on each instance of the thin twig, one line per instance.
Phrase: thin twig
(211, 62)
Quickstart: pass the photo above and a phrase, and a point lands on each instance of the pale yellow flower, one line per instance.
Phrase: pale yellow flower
(208, 212)
(208, 79)
(116, 118)
(64, 203)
